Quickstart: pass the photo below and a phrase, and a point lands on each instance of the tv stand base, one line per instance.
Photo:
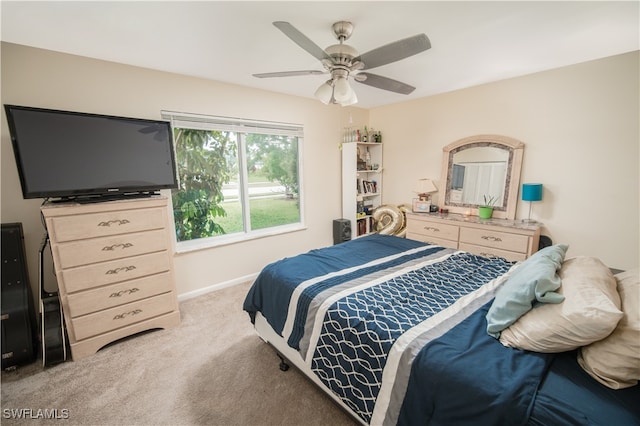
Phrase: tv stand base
(86, 199)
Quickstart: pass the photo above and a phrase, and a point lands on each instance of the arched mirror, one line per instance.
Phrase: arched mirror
(479, 166)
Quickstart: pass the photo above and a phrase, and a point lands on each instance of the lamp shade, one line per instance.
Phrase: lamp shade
(531, 191)
(425, 186)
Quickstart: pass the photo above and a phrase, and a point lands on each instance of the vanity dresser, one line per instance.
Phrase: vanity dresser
(509, 239)
(114, 266)
(473, 169)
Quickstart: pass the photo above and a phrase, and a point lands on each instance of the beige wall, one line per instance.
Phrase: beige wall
(580, 126)
(47, 79)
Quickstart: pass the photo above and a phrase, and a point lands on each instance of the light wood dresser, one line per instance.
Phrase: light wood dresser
(114, 266)
(509, 239)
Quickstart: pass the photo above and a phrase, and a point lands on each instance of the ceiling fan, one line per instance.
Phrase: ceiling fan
(342, 61)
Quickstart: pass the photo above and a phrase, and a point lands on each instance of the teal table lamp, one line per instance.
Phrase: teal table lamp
(531, 192)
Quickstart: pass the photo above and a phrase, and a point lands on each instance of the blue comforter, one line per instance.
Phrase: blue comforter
(396, 329)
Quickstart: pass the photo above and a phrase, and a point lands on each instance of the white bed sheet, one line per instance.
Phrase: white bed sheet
(292, 356)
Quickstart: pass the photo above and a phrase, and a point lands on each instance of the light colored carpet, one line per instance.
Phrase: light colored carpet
(212, 370)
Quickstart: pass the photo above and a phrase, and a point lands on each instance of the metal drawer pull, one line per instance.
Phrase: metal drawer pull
(489, 237)
(124, 315)
(488, 255)
(118, 270)
(113, 247)
(118, 221)
(430, 228)
(120, 293)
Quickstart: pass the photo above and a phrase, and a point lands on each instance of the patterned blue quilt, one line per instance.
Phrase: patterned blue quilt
(396, 329)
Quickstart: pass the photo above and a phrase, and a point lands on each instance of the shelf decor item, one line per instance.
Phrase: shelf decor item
(531, 192)
(362, 182)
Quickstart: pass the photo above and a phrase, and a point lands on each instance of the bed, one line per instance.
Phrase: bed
(396, 332)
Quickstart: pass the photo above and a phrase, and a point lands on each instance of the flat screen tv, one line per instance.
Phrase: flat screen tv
(90, 157)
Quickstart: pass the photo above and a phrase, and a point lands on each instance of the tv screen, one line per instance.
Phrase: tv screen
(64, 154)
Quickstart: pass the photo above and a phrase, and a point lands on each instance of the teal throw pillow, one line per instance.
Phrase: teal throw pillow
(534, 280)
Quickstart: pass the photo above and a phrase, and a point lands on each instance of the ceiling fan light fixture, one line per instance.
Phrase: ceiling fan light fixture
(352, 100)
(342, 90)
(325, 92)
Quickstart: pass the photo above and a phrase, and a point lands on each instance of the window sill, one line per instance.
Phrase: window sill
(218, 241)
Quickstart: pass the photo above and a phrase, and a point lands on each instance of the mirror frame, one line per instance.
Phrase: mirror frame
(512, 181)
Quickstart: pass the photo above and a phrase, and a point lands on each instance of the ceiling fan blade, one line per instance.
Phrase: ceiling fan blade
(301, 40)
(395, 51)
(383, 83)
(288, 73)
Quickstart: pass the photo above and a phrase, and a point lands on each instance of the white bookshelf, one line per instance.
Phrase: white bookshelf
(361, 184)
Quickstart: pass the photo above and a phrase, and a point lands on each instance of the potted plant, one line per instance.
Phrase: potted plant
(485, 211)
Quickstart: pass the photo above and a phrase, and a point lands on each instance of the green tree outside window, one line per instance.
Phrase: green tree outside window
(210, 198)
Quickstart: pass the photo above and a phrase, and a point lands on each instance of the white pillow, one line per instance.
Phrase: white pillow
(590, 311)
(615, 360)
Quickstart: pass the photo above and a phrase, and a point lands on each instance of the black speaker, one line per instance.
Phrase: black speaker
(19, 341)
(341, 230)
(544, 242)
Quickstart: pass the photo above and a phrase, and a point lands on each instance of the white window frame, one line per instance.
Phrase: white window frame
(241, 127)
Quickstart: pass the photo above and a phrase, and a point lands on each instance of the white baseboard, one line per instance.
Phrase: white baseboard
(215, 287)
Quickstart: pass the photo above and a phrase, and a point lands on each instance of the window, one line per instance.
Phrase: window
(239, 179)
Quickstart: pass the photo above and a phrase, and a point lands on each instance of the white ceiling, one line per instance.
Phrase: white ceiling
(473, 42)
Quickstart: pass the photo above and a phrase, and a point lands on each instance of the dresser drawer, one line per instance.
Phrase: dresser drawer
(120, 316)
(101, 298)
(432, 240)
(99, 274)
(69, 228)
(495, 239)
(493, 252)
(433, 229)
(84, 252)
